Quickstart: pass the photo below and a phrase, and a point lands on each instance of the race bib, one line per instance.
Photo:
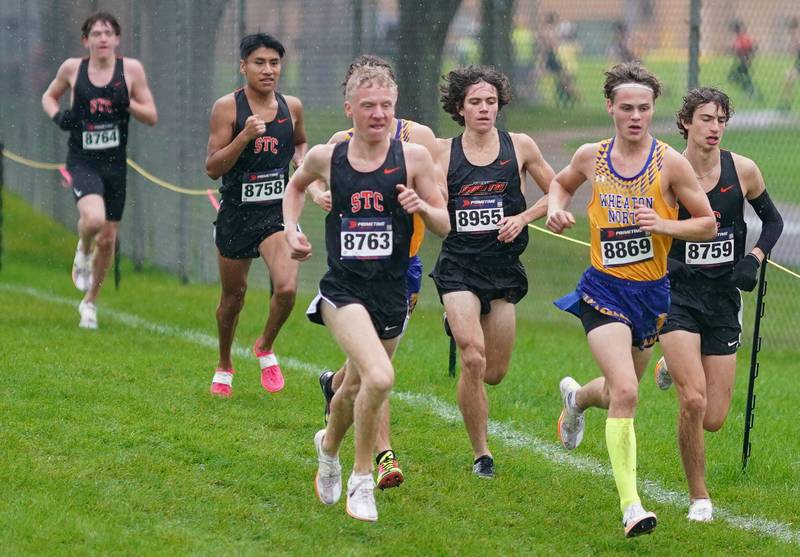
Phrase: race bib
(717, 251)
(479, 213)
(261, 187)
(100, 136)
(366, 238)
(624, 246)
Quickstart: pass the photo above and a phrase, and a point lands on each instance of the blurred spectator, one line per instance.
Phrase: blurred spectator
(566, 94)
(523, 43)
(621, 48)
(744, 50)
(787, 94)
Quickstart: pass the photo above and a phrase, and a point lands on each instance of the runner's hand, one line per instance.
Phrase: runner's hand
(559, 221)
(509, 228)
(745, 273)
(66, 120)
(299, 245)
(254, 127)
(409, 200)
(648, 220)
(323, 199)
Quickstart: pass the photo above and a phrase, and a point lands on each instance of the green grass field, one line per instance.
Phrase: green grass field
(112, 444)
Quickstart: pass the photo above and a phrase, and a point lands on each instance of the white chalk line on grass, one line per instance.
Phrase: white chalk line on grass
(551, 452)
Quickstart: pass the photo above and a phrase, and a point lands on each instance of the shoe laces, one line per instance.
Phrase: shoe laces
(363, 491)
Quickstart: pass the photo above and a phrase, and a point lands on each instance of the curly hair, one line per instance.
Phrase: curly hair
(698, 97)
(457, 82)
(630, 72)
(103, 17)
(366, 60)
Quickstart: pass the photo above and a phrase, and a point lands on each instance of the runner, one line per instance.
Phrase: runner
(703, 328)
(106, 90)
(376, 184)
(389, 472)
(623, 298)
(256, 133)
(478, 275)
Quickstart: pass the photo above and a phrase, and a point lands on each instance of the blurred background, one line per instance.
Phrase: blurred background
(554, 51)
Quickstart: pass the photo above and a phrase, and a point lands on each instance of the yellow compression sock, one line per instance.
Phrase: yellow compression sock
(621, 443)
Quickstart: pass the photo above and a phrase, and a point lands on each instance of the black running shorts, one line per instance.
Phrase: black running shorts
(712, 312)
(487, 279)
(106, 179)
(239, 230)
(385, 301)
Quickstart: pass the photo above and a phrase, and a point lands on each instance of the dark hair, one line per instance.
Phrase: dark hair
(366, 60)
(550, 18)
(698, 97)
(251, 43)
(104, 17)
(456, 83)
(630, 72)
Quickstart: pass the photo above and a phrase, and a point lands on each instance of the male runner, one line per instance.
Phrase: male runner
(256, 133)
(376, 185)
(389, 472)
(478, 275)
(703, 329)
(623, 297)
(106, 90)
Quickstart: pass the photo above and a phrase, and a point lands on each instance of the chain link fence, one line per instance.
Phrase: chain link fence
(554, 51)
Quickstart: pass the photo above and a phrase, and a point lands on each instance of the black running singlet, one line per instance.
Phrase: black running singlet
(102, 111)
(367, 232)
(261, 173)
(479, 196)
(715, 259)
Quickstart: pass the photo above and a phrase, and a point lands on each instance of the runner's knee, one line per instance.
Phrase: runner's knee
(693, 403)
(473, 357)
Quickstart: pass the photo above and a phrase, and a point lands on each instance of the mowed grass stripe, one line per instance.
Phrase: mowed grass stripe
(505, 433)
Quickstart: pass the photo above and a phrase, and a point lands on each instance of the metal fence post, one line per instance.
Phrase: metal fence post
(749, 416)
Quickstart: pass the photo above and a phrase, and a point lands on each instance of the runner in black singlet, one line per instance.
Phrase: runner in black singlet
(256, 133)
(106, 90)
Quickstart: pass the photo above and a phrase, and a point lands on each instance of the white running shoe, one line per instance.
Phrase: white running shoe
(570, 422)
(82, 269)
(361, 497)
(88, 313)
(701, 510)
(663, 378)
(638, 521)
(328, 483)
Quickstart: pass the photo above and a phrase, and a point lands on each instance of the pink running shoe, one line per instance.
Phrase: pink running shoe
(222, 383)
(271, 376)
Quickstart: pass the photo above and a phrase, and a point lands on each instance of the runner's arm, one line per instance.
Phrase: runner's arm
(564, 185)
(142, 105)
(316, 166)
(756, 194)
(57, 87)
(300, 140)
(701, 225)
(424, 197)
(317, 190)
(223, 149)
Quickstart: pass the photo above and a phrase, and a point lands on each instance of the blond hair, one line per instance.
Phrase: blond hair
(369, 76)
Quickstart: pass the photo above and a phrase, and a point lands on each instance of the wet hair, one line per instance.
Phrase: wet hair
(457, 82)
(369, 76)
(251, 43)
(103, 17)
(630, 72)
(367, 60)
(698, 97)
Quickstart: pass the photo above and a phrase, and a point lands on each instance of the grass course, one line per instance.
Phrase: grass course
(112, 445)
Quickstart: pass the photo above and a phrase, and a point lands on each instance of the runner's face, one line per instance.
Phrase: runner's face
(102, 42)
(632, 110)
(262, 69)
(480, 107)
(707, 126)
(372, 110)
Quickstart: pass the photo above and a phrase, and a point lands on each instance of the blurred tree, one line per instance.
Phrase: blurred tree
(422, 33)
(497, 19)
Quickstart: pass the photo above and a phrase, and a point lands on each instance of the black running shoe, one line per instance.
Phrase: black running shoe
(326, 384)
(484, 467)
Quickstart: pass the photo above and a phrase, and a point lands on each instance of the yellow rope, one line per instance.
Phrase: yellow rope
(540, 229)
(164, 184)
(28, 162)
(172, 187)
